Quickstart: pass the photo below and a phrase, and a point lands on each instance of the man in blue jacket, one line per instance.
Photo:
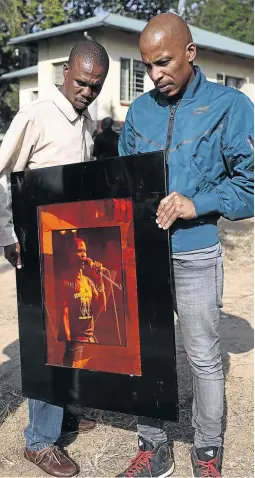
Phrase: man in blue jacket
(206, 131)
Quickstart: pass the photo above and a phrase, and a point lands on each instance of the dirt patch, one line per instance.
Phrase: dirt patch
(105, 451)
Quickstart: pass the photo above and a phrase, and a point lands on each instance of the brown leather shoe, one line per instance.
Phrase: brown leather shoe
(52, 461)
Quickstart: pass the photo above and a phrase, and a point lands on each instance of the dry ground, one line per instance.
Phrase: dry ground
(106, 450)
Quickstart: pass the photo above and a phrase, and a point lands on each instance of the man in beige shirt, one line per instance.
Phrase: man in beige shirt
(54, 130)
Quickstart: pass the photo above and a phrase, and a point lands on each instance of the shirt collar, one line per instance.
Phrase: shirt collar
(65, 106)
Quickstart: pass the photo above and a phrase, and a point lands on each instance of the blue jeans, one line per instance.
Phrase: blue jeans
(45, 422)
(198, 291)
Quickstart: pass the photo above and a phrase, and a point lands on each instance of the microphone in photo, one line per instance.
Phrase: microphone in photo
(93, 265)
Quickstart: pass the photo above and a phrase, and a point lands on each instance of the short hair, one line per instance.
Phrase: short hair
(76, 241)
(92, 52)
(107, 122)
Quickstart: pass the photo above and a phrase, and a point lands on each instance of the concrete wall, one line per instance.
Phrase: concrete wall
(120, 44)
(212, 63)
(51, 51)
(27, 86)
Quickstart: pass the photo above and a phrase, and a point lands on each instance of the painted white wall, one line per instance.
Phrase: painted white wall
(27, 85)
(123, 45)
(53, 50)
(212, 63)
(118, 45)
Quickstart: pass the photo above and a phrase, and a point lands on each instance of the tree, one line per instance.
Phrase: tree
(53, 14)
(8, 91)
(41, 14)
(232, 18)
(9, 14)
(30, 15)
(141, 9)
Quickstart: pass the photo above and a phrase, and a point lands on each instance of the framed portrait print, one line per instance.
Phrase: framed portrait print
(94, 294)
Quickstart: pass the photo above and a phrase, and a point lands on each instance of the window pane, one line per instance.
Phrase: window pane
(125, 80)
(231, 81)
(220, 78)
(138, 78)
(139, 66)
(34, 95)
(234, 82)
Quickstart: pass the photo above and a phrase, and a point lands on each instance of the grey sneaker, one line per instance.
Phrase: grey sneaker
(206, 461)
(151, 461)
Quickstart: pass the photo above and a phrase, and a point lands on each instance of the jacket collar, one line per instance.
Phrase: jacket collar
(64, 105)
(194, 88)
(191, 92)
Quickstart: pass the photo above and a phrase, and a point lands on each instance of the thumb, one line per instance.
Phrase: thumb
(18, 258)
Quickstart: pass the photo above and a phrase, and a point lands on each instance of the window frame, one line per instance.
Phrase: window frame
(130, 87)
(226, 76)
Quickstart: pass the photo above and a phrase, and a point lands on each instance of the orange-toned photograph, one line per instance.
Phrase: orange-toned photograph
(89, 286)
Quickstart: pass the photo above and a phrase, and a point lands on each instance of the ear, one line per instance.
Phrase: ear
(191, 51)
(65, 70)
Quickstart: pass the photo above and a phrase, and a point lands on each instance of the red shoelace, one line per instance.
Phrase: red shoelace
(137, 464)
(208, 468)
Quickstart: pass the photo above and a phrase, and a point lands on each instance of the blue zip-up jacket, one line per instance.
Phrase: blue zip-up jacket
(208, 141)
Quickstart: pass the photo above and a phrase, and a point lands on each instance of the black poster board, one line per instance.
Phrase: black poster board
(127, 363)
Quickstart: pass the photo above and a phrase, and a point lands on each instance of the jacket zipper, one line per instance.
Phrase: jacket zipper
(169, 139)
(170, 129)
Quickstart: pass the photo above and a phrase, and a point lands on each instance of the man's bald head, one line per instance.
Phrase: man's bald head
(170, 25)
(85, 73)
(168, 51)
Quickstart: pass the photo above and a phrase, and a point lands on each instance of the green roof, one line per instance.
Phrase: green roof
(31, 70)
(202, 38)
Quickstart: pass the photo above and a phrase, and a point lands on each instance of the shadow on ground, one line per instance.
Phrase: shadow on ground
(10, 380)
(236, 337)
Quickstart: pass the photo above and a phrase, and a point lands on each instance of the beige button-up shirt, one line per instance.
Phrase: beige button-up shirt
(46, 132)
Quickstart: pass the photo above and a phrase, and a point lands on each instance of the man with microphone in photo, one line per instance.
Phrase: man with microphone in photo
(82, 291)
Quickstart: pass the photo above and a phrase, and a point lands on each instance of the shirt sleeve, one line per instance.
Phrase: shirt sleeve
(7, 234)
(18, 144)
(233, 198)
(15, 151)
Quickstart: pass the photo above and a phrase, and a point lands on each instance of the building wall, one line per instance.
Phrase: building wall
(53, 51)
(212, 63)
(120, 44)
(27, 87)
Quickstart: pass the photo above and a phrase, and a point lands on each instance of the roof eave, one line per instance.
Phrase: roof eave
(225, 52)
(23, 41)
(23, 73)
(109, 21)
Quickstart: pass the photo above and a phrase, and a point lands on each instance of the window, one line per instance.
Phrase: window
(34, 95)
(221, 78)
(131, 79)
(231, 81)
(58, 74)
